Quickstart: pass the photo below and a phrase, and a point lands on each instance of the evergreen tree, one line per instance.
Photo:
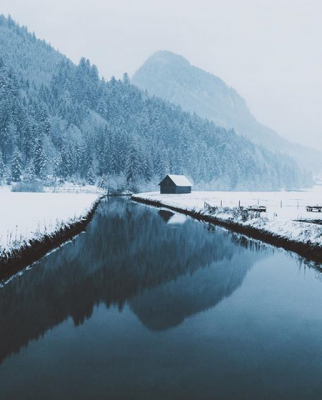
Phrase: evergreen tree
(126, 79)
(103, 182)
(91, 176)
(40, 160)
(147, 169)
(57, 166)
(66, 163)
(133, 165)
(2, 167)
(30, 173)
(16, 166)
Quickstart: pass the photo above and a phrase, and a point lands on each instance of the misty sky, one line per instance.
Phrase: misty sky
(269, 50)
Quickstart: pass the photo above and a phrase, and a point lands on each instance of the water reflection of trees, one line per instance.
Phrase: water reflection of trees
(127, 249)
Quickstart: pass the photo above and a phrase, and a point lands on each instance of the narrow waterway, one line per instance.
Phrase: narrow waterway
(148, 304)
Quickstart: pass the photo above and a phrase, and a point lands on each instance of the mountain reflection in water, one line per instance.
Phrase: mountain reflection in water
(128, 254)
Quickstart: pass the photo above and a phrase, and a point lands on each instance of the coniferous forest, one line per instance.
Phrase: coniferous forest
(63, 122)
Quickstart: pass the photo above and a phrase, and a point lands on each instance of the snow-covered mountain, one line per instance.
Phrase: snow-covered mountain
(60, 120)
(173, 78)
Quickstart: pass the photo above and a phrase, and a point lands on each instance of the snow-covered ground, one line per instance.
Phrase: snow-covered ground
(25, 216)
(284, 210)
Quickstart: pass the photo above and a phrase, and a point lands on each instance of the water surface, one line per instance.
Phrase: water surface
(151, 305)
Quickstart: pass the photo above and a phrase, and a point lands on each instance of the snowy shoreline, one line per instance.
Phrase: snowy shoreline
(291, 228)
(67, 215)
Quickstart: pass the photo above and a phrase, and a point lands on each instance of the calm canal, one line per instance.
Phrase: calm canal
(153, 305)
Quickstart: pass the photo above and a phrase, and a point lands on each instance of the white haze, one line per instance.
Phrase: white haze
(269, 50)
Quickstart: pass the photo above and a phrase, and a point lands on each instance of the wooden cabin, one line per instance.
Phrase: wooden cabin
(175, 184)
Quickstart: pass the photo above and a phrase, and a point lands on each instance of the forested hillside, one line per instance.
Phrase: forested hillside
(171, 77)
(59, 120)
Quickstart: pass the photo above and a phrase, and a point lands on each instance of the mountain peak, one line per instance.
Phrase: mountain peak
(172, 77)
(167, 57)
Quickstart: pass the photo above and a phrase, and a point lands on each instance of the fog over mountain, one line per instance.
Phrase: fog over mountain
(62, 121)
(173, 78)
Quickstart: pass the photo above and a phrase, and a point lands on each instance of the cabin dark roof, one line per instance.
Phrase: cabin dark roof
(178, 180)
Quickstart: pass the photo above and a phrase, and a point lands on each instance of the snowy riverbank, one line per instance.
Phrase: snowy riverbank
(286, 219)
(25, 217)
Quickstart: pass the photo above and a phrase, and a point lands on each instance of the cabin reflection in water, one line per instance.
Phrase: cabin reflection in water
(172, 218)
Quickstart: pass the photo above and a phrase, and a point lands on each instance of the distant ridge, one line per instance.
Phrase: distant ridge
(173, 78)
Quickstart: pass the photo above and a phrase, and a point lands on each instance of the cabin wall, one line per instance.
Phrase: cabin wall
(165, 189)
(183, 189)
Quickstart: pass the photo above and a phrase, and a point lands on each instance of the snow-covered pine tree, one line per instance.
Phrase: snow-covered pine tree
(148, 168)
(88, 160)
(102, 182)
(101, 153)
(91, 176)
(126, 79)
(133, 166)
(77, 157)
(43, 117)
(2, 167)
(66, 163)
(40, 160)
(29, 174)
(16, 166)
(162, 164)
(57, 165)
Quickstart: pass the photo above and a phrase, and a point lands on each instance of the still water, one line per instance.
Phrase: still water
(153, 305)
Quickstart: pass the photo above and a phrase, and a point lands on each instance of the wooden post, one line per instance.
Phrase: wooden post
(220, 203)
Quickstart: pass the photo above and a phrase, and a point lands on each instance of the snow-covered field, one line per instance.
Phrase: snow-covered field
(25, 216)
(284, 209)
